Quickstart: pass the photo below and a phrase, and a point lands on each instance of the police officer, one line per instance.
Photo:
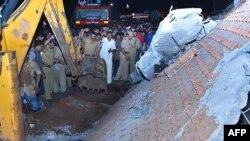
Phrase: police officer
(123, 69)
(59, 69)
(48, 57)
(90, 45)
(134, 46)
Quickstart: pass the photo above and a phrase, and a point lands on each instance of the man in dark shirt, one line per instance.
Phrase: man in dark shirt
(116, 60)
(148, 38)
(38, 47)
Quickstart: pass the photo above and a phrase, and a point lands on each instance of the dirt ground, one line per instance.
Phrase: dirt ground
(73, 112)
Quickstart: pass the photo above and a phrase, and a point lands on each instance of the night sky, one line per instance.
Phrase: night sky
(208, 6)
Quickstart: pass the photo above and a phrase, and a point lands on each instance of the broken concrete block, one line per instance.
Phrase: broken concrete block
(247, 69)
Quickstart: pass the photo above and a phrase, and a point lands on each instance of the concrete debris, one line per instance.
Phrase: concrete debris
(229, 93)
(52, 136)
(135, 114)
(140, 107)
(208, 27)
(64, 129)
(32, 125)
(174, 35)
(247, 69)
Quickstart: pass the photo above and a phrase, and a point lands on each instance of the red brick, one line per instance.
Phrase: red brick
(197, 84)
(235, 30)
(186, 97)
(211, 50)
(228, 44)
(181, 61)
(205, 125)
(203, 66)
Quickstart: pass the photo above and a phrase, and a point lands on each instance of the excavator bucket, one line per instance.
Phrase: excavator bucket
(93, 71)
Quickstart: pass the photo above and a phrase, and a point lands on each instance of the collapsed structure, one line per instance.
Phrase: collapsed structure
(204, 89)
(174, 36)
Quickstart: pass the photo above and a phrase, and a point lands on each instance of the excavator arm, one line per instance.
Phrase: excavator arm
(15, 43)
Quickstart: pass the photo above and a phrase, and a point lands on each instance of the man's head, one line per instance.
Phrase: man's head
(98, 36)
(49, 34)
(148, 29)
(104, 33)
(39, 45)
(143, 33)
(30, 57)
(109, 35)
(85, 29)
(130, 35)
(41, 36)
(53, 43)
(75, 36)
(118, 36)
(105, 28)
(134, 32)
(122, 35)
(128, 28)
(92, 36)
(96, 30)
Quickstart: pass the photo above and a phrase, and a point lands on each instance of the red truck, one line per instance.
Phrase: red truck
(92, 14)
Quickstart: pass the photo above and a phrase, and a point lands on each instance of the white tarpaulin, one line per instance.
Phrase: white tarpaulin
(175, 32)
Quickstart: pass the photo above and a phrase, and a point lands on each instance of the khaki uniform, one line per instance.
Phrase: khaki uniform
(134, 45)
(123, 69)
(89, 60)
(59, 69)
(78, 46)
(90, 47)
(48, 58)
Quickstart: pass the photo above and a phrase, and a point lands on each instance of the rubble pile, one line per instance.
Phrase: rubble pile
(174, 36)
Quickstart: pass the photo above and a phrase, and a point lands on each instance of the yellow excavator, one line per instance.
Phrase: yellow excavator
(16, 37)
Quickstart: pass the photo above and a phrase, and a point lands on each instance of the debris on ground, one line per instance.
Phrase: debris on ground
(69, 117)
(52, 136)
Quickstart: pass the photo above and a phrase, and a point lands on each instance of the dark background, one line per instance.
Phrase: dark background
(208, 6)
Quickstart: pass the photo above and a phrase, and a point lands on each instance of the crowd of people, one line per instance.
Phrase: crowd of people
(44, 69)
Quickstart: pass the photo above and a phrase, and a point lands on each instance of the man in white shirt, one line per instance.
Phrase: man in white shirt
(106, 53)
